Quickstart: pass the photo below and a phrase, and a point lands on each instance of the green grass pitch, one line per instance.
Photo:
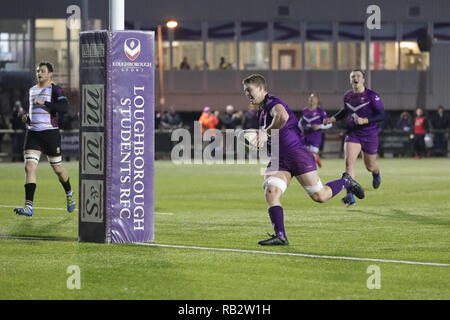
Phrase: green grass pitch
(222, 206)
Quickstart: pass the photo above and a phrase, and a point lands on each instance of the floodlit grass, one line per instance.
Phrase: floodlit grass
(222, 206)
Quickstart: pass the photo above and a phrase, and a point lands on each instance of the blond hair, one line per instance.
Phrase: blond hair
(255, 79)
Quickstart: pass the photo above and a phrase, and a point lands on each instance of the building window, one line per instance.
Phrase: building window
(383, 55)
(412, 58)
(254, 46)
(187, 47)
(384, 48)
(15, 51)
(319, 55)
(319, 46)
(286, 47)
(351, 55)
(51, 45)
(442, 31)
(351, 47)
(221, 46)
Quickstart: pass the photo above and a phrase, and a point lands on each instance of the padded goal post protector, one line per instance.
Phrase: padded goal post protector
(116, 169)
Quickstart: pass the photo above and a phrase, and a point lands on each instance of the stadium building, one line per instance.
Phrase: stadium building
(299, 46)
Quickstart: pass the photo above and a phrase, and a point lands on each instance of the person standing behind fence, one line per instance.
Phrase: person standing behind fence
(405, 123)
(47, 101)
(3, 126)
(250, 118)
(420, 130)
(208, 120)
(440, 122)
(230, 119)
(17, 137)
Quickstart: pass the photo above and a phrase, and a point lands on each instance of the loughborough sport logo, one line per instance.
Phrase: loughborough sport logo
(132, 48)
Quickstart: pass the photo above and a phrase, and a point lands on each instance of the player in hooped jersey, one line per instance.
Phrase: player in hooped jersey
(294, 159)
(47, 100)
(363, 110)
(311, 124)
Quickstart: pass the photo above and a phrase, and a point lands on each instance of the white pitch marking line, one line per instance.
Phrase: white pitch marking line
(296, 254)
(64, 209)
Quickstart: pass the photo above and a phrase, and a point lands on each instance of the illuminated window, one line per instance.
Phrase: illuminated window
(412, 58)
(351, 55)
(351, 47)
(51, 45)
(319, 55)
(187, 55)
(187, 47)
(254, 55)
(383, 55)
(319, 46)
(286, 47)
(15, 53)
(221, 46)
(384, 48)
(254, 46)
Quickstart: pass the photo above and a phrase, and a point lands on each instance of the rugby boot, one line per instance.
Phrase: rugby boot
(354, 187)
(274, 240)
(24, 211)
(349, 199)
(376, 180)
(70, 204)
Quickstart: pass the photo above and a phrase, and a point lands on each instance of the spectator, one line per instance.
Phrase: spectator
(231, 119)
(223, 64)
(208, 120)
(3, 125)
(405, 123)
(17, 138)
(420, 130)
(184, 65)
(171, 119)
(440, 123)
(251, 118)
(157, 119)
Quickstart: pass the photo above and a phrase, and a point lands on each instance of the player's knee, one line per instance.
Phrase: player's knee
(274, 188)
(30, 167)
(31, 162)
(319, 197)
(316, 192)
(371, 166)
(272, 193)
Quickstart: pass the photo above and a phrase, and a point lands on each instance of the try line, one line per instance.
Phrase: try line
(64, 209)
(303, 255)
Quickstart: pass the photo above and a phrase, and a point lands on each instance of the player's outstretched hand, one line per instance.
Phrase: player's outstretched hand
(359, 120)
(25, 118)
(329, 120)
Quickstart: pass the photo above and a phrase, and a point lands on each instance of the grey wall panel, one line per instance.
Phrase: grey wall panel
(187, 81)
(287, 81)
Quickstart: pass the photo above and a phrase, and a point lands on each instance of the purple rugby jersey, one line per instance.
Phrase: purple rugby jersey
(366, 105)
(290, 136)
(310, 117)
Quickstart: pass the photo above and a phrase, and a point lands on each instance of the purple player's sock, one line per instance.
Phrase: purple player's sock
(276, 216)
(337, 185)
